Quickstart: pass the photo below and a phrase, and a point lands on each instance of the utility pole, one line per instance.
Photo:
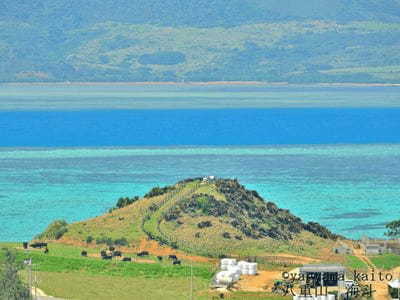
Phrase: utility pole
(35, 281)
(28, 262)
(191, 281)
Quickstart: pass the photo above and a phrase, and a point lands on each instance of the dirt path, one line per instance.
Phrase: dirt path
(298, 258)
(359, 253)
(262, 282)
(380, 287)
(40, 295)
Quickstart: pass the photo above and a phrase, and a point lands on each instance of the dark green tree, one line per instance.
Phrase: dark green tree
(393, 229)
(11, 286)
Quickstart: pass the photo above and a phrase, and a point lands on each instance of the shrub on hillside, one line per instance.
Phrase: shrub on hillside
(204, 224)
(172, 214)
(153, 207)
(205, 205)
(104, 240)
(54, 231)
(121, 242)
(89, 239)
(226, 235)
(110, 242)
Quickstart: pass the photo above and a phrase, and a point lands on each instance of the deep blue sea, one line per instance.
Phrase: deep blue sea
(241, 126)
(68, 155)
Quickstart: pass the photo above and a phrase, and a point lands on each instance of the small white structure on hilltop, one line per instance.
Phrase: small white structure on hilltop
(208, 178)
(231, 270)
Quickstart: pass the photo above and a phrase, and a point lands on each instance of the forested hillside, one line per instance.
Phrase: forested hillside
(197, 40)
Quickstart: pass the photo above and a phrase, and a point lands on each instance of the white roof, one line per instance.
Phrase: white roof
(395, 284)
(322, 268)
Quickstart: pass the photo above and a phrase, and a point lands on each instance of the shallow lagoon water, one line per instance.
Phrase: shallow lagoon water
(352, 189)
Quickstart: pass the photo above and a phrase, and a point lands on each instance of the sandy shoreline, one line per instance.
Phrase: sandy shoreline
(200, 83)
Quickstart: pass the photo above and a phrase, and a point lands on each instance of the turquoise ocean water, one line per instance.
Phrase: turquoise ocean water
(352, 189)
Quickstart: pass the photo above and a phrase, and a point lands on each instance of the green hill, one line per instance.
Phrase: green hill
(238, 40)
(210, 219)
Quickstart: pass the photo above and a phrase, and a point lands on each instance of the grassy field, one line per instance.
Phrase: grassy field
(56, 262)
(81, 286)
(64, 273)
(354, 263)
(386, 261)
(85, 287)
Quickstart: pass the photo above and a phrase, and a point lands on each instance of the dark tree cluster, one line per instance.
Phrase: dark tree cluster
(157, 191)
(110, 242)
(203, 204)
(320, 230)
(188, 180)
(267, 219)
(11, 285)
(393, 229)
(122, 202)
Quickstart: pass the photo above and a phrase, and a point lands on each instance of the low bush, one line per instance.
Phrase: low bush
(226, 235)
(104, 240)
(110, 242)
(204, 224)
(121, 242)
(54, 231)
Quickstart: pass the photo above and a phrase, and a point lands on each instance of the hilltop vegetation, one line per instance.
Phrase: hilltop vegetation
(269, 40)
(211, 219)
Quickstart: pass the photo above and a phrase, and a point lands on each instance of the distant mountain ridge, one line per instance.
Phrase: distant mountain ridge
(196, 13)
(197, 40)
